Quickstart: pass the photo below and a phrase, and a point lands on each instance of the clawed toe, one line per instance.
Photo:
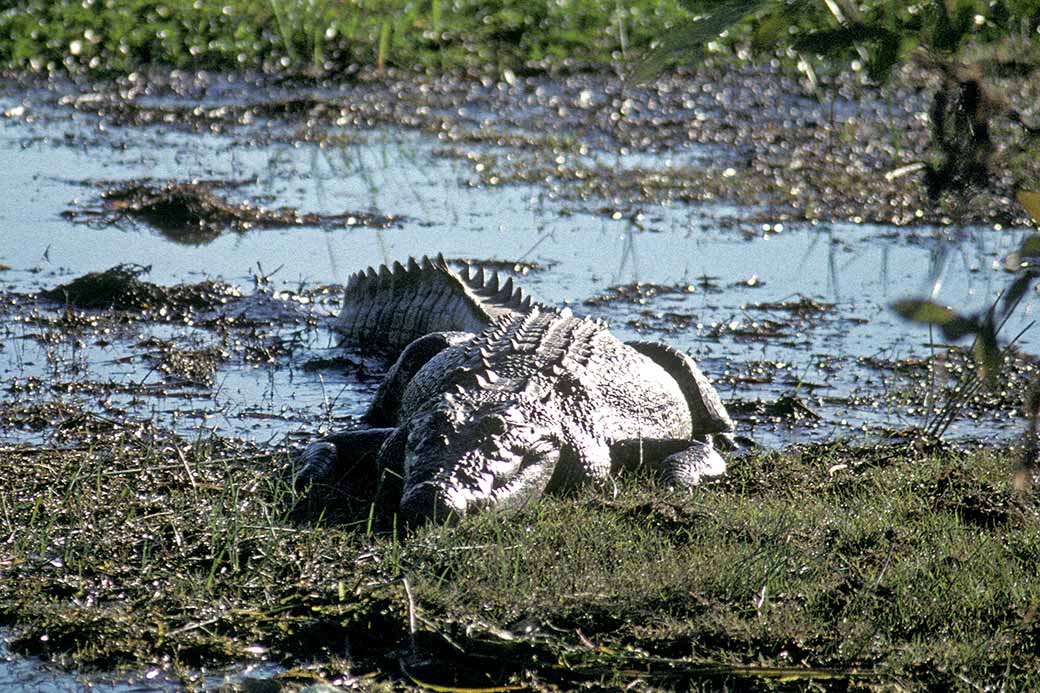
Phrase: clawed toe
(315, 465)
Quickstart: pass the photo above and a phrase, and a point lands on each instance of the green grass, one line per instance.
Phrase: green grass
(900, 568)
(325, 36)
(914, 568)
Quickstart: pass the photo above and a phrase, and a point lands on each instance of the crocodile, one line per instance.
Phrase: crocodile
(495, 399)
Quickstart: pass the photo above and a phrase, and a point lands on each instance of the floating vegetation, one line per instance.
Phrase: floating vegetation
(790, 162)
(518, 267)
(789, 408)
(752, 282)
(121, 288)
(948, 384)
(639, 293)
(754, 329)
(802, 306)
(192, 213)
(195, 367)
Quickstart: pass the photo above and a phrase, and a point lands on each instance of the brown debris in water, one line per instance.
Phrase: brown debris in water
(192, 213)
(194, 367)
(784, 408)
(802, 306)
(120, 287)
(519, 267)
(638, 293)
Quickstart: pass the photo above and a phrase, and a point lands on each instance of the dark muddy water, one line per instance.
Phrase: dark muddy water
(768, 309)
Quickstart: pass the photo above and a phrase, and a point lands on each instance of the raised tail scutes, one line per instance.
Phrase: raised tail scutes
(491, 291)
(392, 306)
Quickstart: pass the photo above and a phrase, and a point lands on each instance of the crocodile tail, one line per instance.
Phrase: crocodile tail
(390, 307)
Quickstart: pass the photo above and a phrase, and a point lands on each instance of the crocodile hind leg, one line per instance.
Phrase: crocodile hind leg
(688, 467)
(707, 413)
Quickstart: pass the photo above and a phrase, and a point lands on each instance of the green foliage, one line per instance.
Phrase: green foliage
(329, 35)
(985, 326)
(878, 33)
(1030, 200)
(883, 45)
(953, 326)
(688, 41)
(324, 36)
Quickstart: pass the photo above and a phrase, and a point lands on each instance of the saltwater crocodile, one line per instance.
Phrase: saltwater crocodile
(496, 399)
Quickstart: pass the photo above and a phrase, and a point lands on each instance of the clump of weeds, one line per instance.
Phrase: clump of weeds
(517, 267)
(639, 293)
(121, 288)
(191, 366)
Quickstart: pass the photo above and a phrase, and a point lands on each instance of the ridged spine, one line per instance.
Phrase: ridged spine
(392, 306)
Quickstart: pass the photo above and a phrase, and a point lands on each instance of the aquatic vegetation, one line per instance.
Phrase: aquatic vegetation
(120, 287)
(191, 213)
(984, 327)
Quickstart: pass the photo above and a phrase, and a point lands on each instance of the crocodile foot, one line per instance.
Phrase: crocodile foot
(688, 467)
(316, 465)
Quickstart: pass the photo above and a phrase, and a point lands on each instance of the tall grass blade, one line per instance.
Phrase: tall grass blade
(284, 31)
(384, 46)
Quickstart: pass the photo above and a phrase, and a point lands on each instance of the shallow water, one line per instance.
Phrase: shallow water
(27, 674)
(56, 159)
